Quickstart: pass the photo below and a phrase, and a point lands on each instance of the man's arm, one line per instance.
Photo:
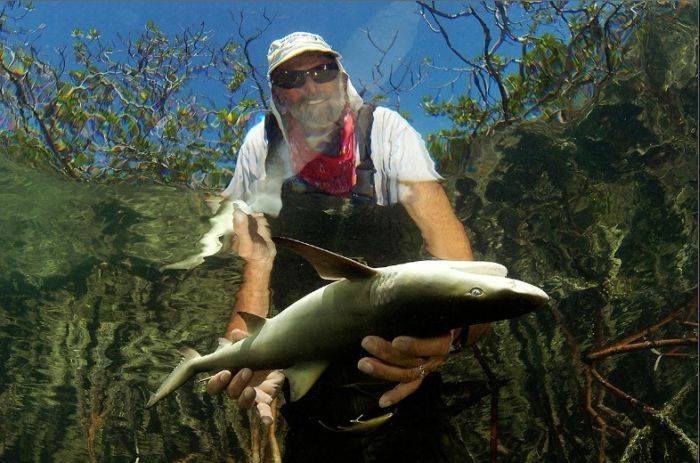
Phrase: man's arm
(404, 359)
(253, 244)
(444, 234)
(255, 247)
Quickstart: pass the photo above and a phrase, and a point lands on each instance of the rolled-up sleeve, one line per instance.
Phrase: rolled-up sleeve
(250, 165)
(399, 155)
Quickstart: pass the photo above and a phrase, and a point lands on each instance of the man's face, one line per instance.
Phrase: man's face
(313, 104)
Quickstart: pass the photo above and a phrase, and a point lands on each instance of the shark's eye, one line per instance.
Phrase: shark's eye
(476, 292)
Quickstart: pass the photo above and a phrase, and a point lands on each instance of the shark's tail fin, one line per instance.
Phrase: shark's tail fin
(182, 372)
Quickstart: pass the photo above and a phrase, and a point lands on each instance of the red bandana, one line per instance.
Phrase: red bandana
(333, 174)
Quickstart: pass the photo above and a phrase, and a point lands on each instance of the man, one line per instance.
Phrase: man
(313, 145)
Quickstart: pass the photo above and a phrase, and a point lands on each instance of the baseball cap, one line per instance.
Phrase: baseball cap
(293, 45)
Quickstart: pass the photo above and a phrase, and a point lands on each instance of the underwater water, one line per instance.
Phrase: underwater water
(601, 212)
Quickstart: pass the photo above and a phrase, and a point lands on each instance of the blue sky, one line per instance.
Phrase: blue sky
(343, 24)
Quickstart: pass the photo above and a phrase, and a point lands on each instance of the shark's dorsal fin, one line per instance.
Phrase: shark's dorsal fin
(329, 265)
(252, 321)
(302, 376)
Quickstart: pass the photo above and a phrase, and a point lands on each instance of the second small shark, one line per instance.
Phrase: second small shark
(217, 238)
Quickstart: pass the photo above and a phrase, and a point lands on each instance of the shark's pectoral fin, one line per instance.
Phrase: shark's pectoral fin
(188, 353)
(223, 343)
(329, 265)
(302, 376)
(252, 321)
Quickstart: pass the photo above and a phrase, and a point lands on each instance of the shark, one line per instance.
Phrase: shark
(218, 238)
(419, 298)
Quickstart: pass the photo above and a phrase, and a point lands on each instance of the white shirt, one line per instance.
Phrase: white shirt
(398, 154)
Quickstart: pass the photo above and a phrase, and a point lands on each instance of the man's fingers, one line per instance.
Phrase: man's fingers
(239, 383)
(398, 393)
(241, 230)
(423, 347)
(384, 350)
(251, 237)
(250, 228)
(407, 351)
(218, 382)
(262, 396)
(265, 412)
(259, 229)
(379, 369)
(241, 387)
(272, 383)
(247, 398)
(412, 379)
(263, 228)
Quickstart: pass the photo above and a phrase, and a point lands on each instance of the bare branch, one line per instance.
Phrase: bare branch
(247, 42)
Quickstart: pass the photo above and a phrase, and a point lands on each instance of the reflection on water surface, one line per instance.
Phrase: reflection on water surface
(601, 216)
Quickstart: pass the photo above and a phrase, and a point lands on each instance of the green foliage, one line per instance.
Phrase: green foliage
(568, 51)
(466, 113)
(123, 112)
(128, 111)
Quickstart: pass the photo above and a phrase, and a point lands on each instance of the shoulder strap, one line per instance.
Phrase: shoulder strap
(363, 134)
(274, 136)
(364, 188)
(272, 129)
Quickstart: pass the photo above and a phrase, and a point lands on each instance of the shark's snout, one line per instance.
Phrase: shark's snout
(530, 295)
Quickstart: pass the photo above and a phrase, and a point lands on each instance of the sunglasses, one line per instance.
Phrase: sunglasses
(295, 79)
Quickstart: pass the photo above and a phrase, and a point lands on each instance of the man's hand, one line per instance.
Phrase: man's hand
(251, 239)
(249, 388)
(406, 360)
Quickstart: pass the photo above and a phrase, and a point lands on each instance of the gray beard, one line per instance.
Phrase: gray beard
(320, 123)
(318, 117)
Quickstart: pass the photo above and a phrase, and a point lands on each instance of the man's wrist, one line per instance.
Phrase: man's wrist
(257, 268)
(256, 280)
